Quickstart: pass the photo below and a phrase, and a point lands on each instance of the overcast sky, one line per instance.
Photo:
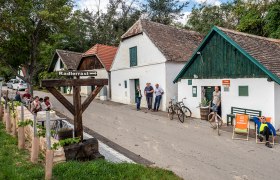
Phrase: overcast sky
(93, 4)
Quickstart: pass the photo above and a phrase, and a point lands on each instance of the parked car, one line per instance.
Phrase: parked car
(16, 84)
(12, 82)
(22, 85)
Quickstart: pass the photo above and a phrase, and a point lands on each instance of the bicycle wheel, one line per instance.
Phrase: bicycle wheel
(181, 116)
(186, 111)
(170, 113)
(211, 119)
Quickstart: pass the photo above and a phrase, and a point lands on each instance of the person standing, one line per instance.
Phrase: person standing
(138, 97)
(216, 100)
(158, 93)
(149, 90)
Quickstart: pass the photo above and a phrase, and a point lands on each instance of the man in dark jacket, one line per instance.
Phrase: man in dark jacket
(264, 129)
(149, 90)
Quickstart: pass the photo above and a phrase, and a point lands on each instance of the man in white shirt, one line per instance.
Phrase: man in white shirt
(158, 92)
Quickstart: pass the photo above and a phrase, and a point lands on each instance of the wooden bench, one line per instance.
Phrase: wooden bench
(236, 110)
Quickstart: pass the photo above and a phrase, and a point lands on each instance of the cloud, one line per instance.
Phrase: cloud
(212, 2)
(92, 5)
(185, 18)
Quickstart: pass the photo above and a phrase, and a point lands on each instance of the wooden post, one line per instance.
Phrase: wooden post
(49, 151)
(35, 143)
(8, 121)
(78, 122)
(14, 127)
(21, 136)
(1, 110)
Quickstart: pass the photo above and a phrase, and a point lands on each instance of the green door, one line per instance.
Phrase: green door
(209, 92)
(136, 83)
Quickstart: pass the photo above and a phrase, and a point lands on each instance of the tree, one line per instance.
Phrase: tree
(205, 16)
(164, 11)
(25, 26)
(272, 21)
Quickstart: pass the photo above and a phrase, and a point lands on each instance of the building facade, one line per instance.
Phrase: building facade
(244, 66)
(150, 53)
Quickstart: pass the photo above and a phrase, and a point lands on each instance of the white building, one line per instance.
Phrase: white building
(99, 58)
(250, 64)
(150, 52)
(65, 60)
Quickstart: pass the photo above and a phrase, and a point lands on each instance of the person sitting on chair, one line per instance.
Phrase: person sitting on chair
(36, 105)
(264, 129)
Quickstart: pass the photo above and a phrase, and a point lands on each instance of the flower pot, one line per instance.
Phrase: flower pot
(65, 133)
(204, 112)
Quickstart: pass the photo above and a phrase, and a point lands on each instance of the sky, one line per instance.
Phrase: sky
(93, 4)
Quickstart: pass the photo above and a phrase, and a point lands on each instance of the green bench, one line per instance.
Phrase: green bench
(236, 110)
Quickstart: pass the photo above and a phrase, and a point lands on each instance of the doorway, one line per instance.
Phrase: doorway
(136, 83)
(207, 92)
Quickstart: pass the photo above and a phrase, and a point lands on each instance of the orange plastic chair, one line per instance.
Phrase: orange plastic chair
(267, 119)
(241, 126)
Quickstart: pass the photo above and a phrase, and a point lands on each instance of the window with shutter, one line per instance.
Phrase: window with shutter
(133, 56)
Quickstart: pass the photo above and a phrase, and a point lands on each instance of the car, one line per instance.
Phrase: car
(11, 83)
(22, 85)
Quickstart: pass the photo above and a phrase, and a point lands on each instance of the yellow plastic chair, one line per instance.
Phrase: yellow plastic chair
(241, 126)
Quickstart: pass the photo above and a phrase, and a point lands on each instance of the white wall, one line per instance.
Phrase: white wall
(277, 105)
(147, 53)
(57, 65)
(261, 95)
(153, 74)
(172, 70)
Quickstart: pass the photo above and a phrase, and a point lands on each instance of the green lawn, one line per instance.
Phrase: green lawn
(15, 164)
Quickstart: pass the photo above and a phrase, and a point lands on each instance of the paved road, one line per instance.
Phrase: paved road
(192, 150)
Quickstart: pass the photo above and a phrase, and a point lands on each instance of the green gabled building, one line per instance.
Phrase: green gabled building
(245, 67)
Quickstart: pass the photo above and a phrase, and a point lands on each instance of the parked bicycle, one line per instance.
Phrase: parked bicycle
(178, 108)
(214, 119)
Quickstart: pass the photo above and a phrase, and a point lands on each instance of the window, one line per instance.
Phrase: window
(189, 82)
(194, 91)
(133, 56)
(243, 91)
(125, 84)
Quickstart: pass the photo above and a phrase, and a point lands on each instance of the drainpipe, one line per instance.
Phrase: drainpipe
(109, 83)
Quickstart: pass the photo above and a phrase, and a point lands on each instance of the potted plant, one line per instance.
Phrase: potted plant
(204, 109)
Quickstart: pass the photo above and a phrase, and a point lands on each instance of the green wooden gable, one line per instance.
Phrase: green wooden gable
(219, 57)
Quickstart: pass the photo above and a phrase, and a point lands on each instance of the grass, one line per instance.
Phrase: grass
(15, 164)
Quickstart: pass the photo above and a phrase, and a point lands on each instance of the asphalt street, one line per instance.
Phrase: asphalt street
(192, 149)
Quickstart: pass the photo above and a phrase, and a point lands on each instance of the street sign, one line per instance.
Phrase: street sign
(77, 73)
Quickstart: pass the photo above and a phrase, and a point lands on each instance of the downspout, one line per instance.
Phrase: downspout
(109, 81)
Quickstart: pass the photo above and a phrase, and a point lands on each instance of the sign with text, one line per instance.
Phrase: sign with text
(226, 82)
(77, 73)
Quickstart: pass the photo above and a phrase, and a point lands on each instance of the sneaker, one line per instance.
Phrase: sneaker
(261, 138)
(268, 145)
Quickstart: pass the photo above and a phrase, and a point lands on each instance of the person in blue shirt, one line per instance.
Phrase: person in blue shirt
(265, 129)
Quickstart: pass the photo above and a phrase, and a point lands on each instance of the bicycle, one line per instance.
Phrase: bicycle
(215, 120)
(175, 108)
(185, 109)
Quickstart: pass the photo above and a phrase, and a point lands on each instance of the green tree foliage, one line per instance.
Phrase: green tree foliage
(164, 11)
(205, 16)
(250, 16)
(25, 25)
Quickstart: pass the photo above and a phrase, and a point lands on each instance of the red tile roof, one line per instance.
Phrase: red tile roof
(104, 53)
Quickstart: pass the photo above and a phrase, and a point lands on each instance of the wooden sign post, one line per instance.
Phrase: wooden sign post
(77, 108)
(21, 137)
(35, 143)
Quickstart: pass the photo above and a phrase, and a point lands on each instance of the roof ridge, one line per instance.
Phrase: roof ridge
(73, 52)
(247, 34)
(170, 26)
